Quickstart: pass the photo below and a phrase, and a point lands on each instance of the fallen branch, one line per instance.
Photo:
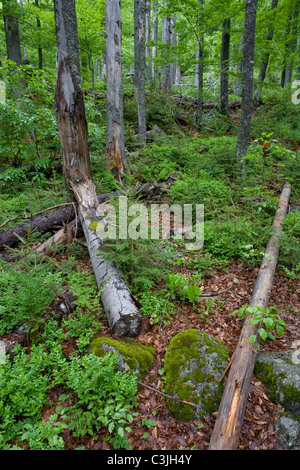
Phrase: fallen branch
(167, 396)
(229, 421)
(42, 224)
(65, 218)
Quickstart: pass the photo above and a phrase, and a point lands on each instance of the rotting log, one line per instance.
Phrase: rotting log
(230, 416)
(119, 305)
(42, 224)
(71, 227)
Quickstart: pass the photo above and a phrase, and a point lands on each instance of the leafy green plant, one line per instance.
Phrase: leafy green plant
(156, 305)
(26, 291)
(267, 317)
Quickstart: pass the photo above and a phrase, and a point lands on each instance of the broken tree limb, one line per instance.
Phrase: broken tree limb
(229, 421)
(66, 234)
(42, 224)
(119, 305)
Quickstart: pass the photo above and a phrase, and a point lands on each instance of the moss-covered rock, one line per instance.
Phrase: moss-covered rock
(135, 357)
(194, 361)
(281, 377)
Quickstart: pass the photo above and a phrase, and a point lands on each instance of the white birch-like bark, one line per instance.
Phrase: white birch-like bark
(114, 89)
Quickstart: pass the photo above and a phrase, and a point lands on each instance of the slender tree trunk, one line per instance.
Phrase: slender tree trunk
(148, 39)
(173, 37)
(13, 43)
(247, 87)
(166, 67)
(239, 67)
(155, 39)
(122, 312)
(225, 53)
(292, 45)
(265, 62)
(200, 66)
(40, 50)
(140, 64)
(114, 89)
(12, 33)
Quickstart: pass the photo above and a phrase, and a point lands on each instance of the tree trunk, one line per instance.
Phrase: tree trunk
(140, 64)
(247, 86)
(292, 46)
(148, 39)
(239, 67)
(42, 224)
(265, 62)
(12, 34)
(40, 50)
(122, 312)
(173, 39)
(65, 217)
(225, 52)
(229, 421)
(166, 67)
(155, 39)
(13, 43)
(114, 90)
(200, 65)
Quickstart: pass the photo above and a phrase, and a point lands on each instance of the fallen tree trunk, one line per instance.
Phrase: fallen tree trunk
(42, 224)
(119, 305)
(65, 217)
(229, 421)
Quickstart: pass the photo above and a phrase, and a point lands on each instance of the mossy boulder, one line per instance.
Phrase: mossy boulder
(194, 361)
(280, 374)
(135, 357)
(288, 433)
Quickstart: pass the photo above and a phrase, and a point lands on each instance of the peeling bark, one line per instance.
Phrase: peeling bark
(114, 90)
(122, 312)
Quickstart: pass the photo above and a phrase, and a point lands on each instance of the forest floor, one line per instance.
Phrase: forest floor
(233, 287)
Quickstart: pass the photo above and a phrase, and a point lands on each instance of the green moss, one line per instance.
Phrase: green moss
(137, 357)
(193, 363)
(275, 383)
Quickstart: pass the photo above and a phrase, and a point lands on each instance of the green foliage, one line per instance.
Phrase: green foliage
(26, 291)
(289, 254)
(156, 306)
(213, 193)
(104, 397)
(96, 396)
(267, 317)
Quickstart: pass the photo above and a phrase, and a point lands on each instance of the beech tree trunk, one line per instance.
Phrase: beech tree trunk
(166, 42)
(225, 53)
(229, 421)
(200, 65)
(292, 45)
(122, 312)
(12, 34)
(140, 63)
(114, 90)
(155, 39)
(247, 85)
(148, 39)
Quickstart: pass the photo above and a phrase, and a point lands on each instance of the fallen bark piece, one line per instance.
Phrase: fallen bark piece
(229, 421)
